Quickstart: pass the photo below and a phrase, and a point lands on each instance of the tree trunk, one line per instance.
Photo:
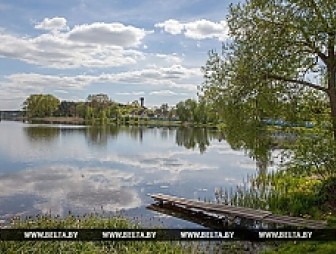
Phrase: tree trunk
(331, 68)
(332, 95)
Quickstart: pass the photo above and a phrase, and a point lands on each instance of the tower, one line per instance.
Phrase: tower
(142, 102)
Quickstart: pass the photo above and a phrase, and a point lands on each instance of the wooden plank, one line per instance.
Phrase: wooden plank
(223, 209)
(249, 213)
(234, 211)
(214, 206)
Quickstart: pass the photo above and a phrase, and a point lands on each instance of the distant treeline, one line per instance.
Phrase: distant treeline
(100, 107)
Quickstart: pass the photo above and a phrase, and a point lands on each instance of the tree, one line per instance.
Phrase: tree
(191, 106)
(114, 111)
(280, 52)
(41, 105)
(67, 108)
(201, 112)
(80, 109)
(197, 112)
(182, 111)
(89, 114)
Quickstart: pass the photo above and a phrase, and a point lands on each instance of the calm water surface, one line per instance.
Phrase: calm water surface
(83, 169)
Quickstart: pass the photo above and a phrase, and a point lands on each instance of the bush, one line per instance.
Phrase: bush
(328, 193)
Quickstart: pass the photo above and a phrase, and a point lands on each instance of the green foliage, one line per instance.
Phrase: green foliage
(102, 117)
(183, 111)
(114, 111)
(201, 112)
(314, 155)
(41, 105)
(67, 109)
(266, 70)
(327, 193)
(80, 109)
(283, 192)
(89, 113)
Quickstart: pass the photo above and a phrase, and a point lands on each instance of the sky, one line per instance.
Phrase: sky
(126, 49)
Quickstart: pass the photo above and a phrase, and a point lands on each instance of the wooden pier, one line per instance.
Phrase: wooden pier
(234, 212)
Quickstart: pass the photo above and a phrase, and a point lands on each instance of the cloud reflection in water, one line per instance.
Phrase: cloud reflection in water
(59, 187)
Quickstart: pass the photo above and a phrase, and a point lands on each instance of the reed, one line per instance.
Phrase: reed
(280, 192)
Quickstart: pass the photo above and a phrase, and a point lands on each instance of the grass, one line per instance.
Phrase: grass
(85, 222)
(93, 247)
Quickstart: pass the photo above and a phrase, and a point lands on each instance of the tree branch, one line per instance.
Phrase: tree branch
(296, 81)
(315, 50)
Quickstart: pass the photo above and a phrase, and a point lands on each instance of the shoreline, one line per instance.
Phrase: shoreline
(70, 120)
(81, 121)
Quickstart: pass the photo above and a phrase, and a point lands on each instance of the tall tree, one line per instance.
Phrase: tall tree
(182, 111)
(41, 105)
(280, 52)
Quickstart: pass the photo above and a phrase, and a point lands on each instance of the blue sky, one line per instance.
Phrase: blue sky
(126, 49)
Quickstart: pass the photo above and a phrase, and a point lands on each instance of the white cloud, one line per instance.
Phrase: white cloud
(202, 29)
(95, 45)
(32, 81)
(176, 79)
(55, 51)
(131, 93)
(171, 26)
(171, 93)
(53, 24)
(109, 34)
(163, 93)
(158, 59)
(198, 30)
(61, 91)
(175, 76)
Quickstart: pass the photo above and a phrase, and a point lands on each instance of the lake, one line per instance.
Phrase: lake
(83, 169)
